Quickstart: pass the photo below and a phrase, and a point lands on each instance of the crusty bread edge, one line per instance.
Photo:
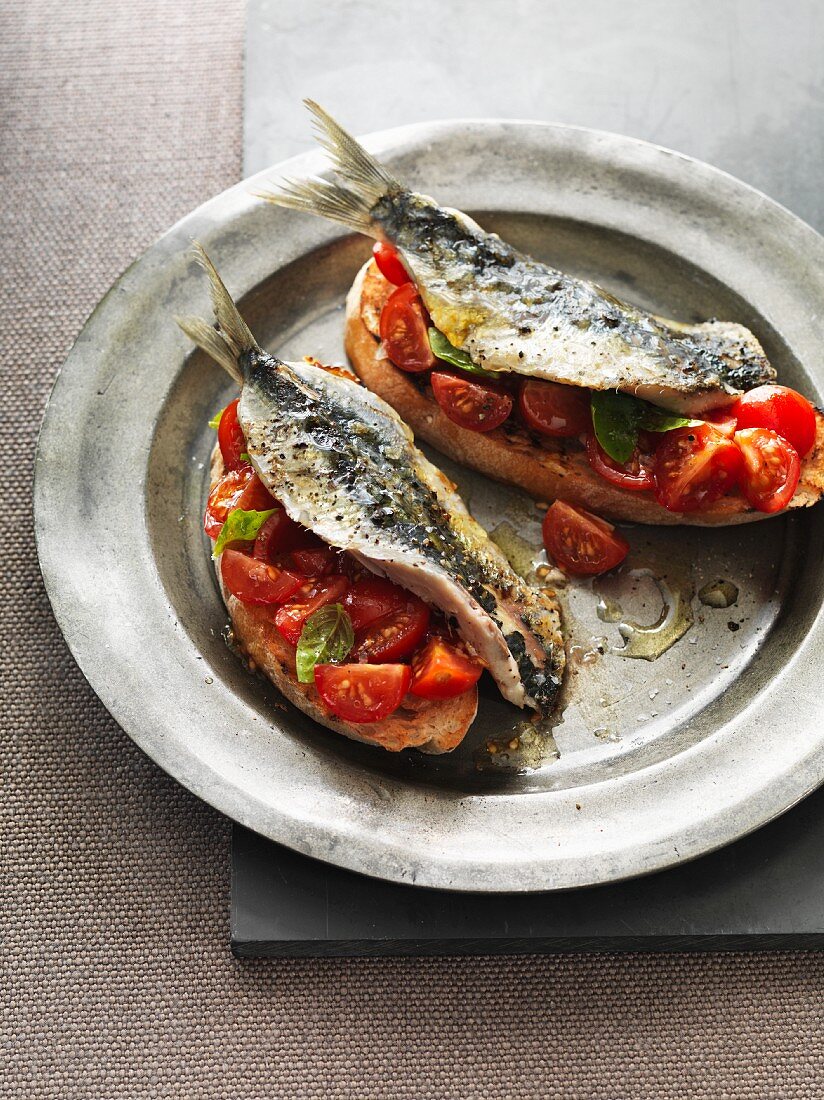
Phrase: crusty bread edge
(432, 726)
(546, 469)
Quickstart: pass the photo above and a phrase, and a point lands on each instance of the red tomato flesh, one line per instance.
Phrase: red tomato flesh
(254, 581)
(394, 635)
(771, 469)
(311, 595)
(230, 437)
(314, 561)
(441, 670)
(580, 542)
(478, 406)
(225, 496)
(362, 693)
(637, 474)
(553, 409)
(389, 263)
(723, 420)
(278, 535)
(256, 497)
(783, 411)
(694, 467)
(371, 598)
(405, 331)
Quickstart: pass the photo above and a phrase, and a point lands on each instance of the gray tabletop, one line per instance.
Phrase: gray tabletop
(737, 84)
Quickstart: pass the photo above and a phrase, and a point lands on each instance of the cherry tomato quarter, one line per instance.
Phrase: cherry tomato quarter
(371, 598)
(394, 635)
(581, 543)
(256, 582)
(256, 497)
(230, 437)
(553, 409)
(389, 263)
(314, 561)
(478, 406)
(307, 599)
(405, 330)
(695, 466)
(771, 469)
(224, 497)
(441, 670)
(362, 693)
(636, 475)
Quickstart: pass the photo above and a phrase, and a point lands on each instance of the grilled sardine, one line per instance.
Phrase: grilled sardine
(342, 463)
(511, 313)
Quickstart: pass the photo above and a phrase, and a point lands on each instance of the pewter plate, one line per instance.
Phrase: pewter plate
(650, 762)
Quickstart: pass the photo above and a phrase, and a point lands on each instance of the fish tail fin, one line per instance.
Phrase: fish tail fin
(365, 180)
(226, 343)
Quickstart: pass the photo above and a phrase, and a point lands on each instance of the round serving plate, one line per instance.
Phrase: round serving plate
(650, 762)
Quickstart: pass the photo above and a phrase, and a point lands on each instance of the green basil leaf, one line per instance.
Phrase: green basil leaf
(244, 457)
(326, 638)
(215, 421)
(653, 419)
(448, 353)
(615, 418)
(618, 417)
(240, 525)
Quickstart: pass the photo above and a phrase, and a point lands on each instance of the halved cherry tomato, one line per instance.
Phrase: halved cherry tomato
(723, 420)
(405, 332)
(478, 406)
(580, 542)
(312, 594)
(441, 670)
(553, 409)
(230, 437)
(771, 468)
(362, 693)
(254, 581)
(278, 535)
(783, 411)
(314, 561)
(225, 496)
(389, 263)
(393, 636)
(371, 598)
(694, 467)
(637, 474)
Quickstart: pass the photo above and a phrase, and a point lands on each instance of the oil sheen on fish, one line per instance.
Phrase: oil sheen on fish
(342, 463)
(512, 313)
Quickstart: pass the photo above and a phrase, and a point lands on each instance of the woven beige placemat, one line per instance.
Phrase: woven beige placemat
(117, 981)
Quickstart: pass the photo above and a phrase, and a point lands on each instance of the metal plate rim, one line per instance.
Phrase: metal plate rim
(508, 870)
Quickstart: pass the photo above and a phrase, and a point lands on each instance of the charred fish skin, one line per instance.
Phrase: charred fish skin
(512, 313)
(341, 461)
(361, 490)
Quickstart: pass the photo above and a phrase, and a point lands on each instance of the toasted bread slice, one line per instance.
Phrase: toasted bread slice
(544, 467)
(433, 726)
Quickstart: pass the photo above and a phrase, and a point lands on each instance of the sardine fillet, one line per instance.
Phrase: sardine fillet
(511, 313)
(343, 463)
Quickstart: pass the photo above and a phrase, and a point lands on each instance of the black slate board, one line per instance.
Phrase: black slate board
(764, 892)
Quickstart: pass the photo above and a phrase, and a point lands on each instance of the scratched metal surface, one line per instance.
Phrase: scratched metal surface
(738, 84)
